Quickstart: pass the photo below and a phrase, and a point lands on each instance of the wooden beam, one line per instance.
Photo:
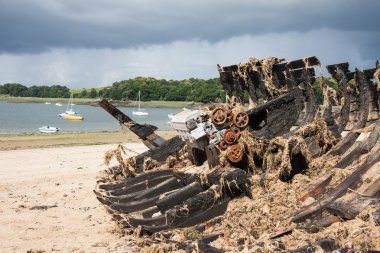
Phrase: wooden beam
(368, 73)
(349, 208)
(317, 188)
(341, 188)
(345, 143)
(145, 132)
(168, 147)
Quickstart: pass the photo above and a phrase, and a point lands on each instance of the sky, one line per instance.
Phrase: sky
(93, 43)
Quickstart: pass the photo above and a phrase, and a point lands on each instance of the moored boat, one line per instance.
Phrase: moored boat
(70, 114)
(139, 112)
(48, 129)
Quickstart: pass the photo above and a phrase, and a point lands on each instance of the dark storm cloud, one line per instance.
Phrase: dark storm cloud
(32, 26)
(91, 43)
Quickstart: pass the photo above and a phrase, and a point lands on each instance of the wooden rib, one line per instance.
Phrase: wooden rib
(337, 191)
(326, 221)
(139, 186)
(317, 188)
(160, 154)
(346, 142)
(134, 180)
(167, 185)
(363, 147)
(351, 207)
(311, 107)
(179, 196)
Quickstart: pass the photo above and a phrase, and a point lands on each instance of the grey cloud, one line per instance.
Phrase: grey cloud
(94, 43)
(178, 60)
(33, 26)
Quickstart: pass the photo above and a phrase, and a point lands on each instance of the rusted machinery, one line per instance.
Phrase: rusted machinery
(283, 132)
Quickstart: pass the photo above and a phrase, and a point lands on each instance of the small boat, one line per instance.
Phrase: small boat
(70, 114)
(139, 112)
(47, 103)
(48, 129)
(58, 104)
(170, 115)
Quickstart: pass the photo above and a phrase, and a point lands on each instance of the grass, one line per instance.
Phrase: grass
(78, 91)
(43, 100)
(94, 101)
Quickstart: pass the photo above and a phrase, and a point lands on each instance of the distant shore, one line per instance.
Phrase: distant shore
(39, 140)
(94, 102)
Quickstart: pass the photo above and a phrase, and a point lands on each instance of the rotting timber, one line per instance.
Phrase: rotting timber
(190, 179)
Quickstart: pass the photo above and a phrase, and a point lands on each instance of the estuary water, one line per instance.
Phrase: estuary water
(28, 117)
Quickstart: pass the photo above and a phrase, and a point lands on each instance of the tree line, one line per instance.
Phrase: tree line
(192, 89)
(19, 90)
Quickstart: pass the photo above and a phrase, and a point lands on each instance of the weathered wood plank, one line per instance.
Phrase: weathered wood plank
(317, 188)
(134, 180)
(351, 207)
(338, 190)
(325, 221)
(368, 73)
(177, 197)
(311, 107)
(168, 147)
(296, 64)
(145, 132)
(350, 138)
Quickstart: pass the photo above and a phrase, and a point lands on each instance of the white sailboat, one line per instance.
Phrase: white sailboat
(70, 114)
(139, 112)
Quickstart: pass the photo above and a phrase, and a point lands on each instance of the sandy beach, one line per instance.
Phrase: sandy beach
(46, 198)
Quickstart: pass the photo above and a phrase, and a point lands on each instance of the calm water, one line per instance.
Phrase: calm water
(28, 117)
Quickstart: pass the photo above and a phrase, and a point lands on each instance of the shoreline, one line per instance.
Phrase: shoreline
(18, 141)
(95, 101)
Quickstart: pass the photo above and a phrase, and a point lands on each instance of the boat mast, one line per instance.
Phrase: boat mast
(68, 104)
(139, 100)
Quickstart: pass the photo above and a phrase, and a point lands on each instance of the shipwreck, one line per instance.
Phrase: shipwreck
(283, 146)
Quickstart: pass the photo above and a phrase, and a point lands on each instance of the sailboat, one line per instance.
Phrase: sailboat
(139, 112)
(70, 114)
